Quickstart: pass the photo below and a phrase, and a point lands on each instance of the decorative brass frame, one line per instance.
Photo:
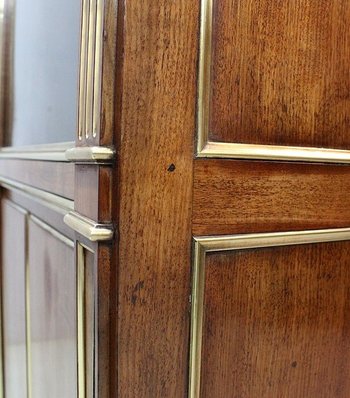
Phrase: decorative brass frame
(211, 149)
(88, 228)
(203, 245)
(90, 68)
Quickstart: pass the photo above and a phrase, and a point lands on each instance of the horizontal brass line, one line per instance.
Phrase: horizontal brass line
(51, 152)
(273, 152)
(57, 203)
(250, 241)
(90, 229)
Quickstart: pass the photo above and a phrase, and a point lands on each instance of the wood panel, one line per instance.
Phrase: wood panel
(52, 292)
(54, 177)
(13, 251)
(238, 196)
(94, 192)
(280, 72)
(50, 214)
(157, 125)
(277, 322)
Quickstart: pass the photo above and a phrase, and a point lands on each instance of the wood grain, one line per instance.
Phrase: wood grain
(156, 150)
(93, 193)
(237, 196)
(54, 177)
(280, 72)
(277, 323)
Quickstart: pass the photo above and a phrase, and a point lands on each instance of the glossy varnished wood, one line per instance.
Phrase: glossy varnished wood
(240, 196)
(54, 177)
(93, 194)
(156, 150)
(280, 72)
(277, 323)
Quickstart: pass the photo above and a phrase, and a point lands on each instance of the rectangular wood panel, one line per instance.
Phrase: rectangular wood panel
(280, 72)
(54, 177)
(52, 292)
(277, 322)
(13, 231)
(239, 196)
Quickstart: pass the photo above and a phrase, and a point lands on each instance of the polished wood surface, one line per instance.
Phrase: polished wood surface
(13, 260)
(52, 300)
(54, 177)
(276, 323)
(94, 192)
(280, 72)
(239, 196)
(157, 124)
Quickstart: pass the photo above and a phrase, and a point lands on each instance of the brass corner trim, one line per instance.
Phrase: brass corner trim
(232, 150)
(209, 244)
(90, 154)
(93, 231)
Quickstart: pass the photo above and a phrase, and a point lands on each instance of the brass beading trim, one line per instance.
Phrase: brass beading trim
(90, 229)
(47, 152)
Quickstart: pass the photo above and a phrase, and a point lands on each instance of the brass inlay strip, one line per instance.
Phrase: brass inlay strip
(203, 245)
(80, 320)
(48, 199)
(90, 68)
(27, 304)
(83, 68)
(225, 150)
(90, 154)
(88, 228)
(98, 68)
(49, 152)
(57, 235)
(83, 377)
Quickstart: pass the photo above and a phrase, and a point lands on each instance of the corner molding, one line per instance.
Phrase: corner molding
(90, 154)
(91, 230)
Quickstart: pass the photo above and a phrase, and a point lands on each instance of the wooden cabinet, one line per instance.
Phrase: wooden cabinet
(179, 225)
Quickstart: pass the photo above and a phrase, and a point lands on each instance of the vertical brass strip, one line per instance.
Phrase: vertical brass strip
(80, 320)
(90, 67)
(205, 48)
(28, 325)
(98, 67)
(198, 282)
(83, 68)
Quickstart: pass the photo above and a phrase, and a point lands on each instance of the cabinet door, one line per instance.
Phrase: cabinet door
(56, 169)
